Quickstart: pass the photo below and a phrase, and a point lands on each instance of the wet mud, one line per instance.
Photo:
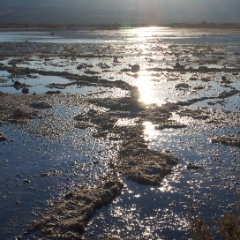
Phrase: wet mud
(227, 140)
(141, 164)
(68, 218)
(40, 105)
(17, 108)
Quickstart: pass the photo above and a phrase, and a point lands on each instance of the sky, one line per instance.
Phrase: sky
(119, 11)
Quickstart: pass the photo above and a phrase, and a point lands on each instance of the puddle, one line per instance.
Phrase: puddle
(4, 74)
(42, 84)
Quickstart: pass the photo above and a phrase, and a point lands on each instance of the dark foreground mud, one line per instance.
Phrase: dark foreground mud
(17, 108)
(68, 218)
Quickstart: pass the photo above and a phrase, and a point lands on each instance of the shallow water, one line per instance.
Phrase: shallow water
(55, 165)
(144, 212)
(38, 84)
(37, 170)
(145, 34)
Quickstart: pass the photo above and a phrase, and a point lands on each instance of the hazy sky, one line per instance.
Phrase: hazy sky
(121, 11)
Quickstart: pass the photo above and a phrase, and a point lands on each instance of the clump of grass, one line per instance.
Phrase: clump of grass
(228, 226)
(197, 227)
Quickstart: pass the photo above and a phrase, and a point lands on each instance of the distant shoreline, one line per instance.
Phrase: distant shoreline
(114, 26)
(53, 31)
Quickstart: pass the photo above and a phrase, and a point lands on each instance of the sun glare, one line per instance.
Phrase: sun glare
(145, 87)
(150, 132)
(143, 33)
(147, 32)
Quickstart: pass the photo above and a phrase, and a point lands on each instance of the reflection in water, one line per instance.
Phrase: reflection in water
(150, 132)
(152, 92)
(125, 122)
(123, 35)
(145, 87)
(162, 212)
(145, 33)
(165, 186)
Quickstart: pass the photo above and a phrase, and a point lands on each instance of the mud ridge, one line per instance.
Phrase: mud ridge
(68, 218)
(227, 140)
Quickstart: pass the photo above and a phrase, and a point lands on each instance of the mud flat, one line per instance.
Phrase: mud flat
(135, 161)
(188, 95)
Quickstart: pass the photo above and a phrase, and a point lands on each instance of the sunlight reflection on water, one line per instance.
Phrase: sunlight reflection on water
(145, 86)
(150, 132)
(122, 35)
